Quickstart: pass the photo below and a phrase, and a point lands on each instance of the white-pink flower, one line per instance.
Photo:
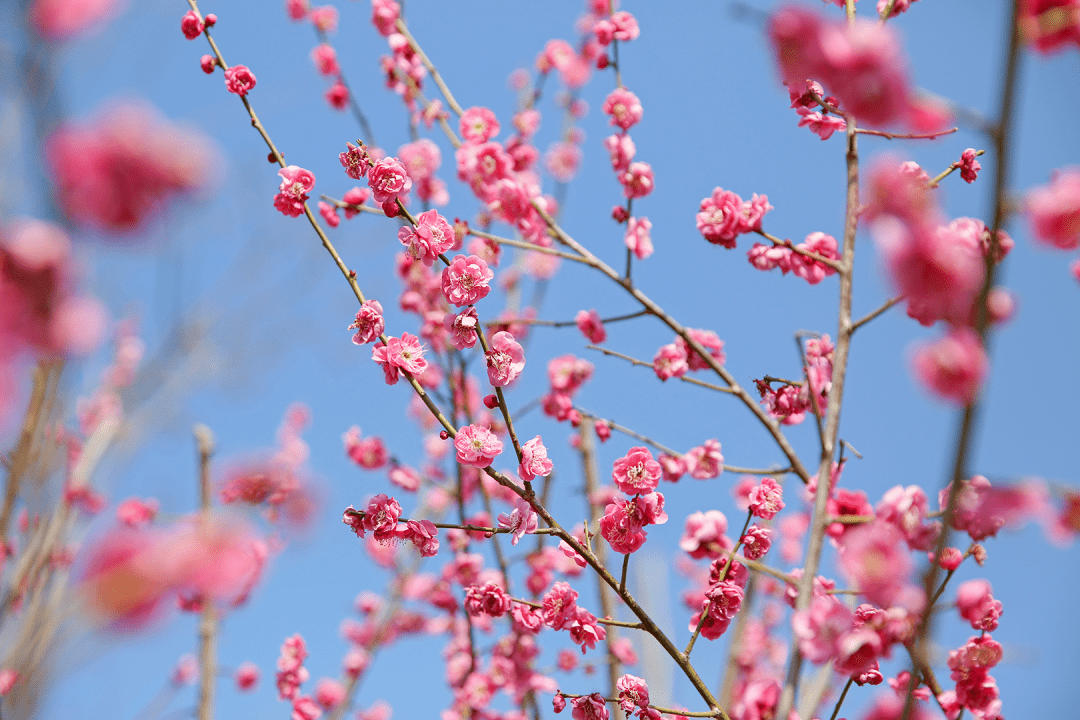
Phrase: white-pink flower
(523, 520)
(534, 460)
(466, 280)
(477, 446)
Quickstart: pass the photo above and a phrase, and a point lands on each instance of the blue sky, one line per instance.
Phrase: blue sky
(270, 310)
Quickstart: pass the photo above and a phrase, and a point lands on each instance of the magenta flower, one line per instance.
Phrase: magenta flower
(589, 707)
(466, 280)
(622, 530)
(977, 605)
(622, 151)
(766, 499)
(406, 353)
(670, 361)
(369, 324)
(559, 606)
(431, 237)
(523, 520)
(1054, 210)
(954, 366)
(239, 80)
(478, 125)
(369, 453)
(380, 353)
(633, 693)
(296, 183)
(506, 359)
(534, 460)
(388, 180)
(590, 325)
(624, 108)
(355, 162)
(705, 461)
(636, 472)
(477, 446)
(191, 25)
(637, 238)
(247, 675)
(489, 599)
(703, 535)
(637, 180)
(720, 218)
(756, 542)
(707, 339)
(586, 632)
(462, 328)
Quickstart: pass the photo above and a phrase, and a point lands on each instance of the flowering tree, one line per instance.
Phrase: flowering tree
(511, 555)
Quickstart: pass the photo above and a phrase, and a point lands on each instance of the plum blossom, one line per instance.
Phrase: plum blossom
(431, 237)
(191, 25)
(766, 499)
(969, 166)
(977, 605)
(591, 326)
(369, 453)
(705, 461)
(638, 238)
(954, 366)
(670, 361)
(239, 80)
(478, 125)
(624, 108)
(388, 181)
(296, 183)
(534, 460)
(1054, 210)
(369, 324)
(506, 359)
(636, 472)
(637, 181)
(589, 707)
(703, 535)
(477, 446)
(466, 280)
(462, 328)
(523, 520)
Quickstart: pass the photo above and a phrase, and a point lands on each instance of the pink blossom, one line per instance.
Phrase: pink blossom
(325, 58)
(820, 627)
(622, 150)
(462, 328)
(624, 108)
(355, 162)
(388, 180)
(296, 183)
(705, 461)
(534, 460)
(626, 26)
(977, 605)
(591, 326)
(424, 535)
(1050, 25)
(239, 80)
(304, 708)
(527, 122)
(506, 359)
(420, 158)
(329, 693)
(523, 520)
(765, 499)
(119, 170)
(384, 15)
(636, 472)
(821, 124)
(638, 238)
(191, 25)
(297, 9)
(477, 446)
(369, 324)
(186, 671)
(720, 218)
(208, 63)
(466, 280)
(637, 180)
(861, 63)
(756, 542)
(620, 528)
(969, 165)
(906, 508)
(670, 361)
(585, 631)
(1054, 210)
(559, 606)
(708, 340)
(369, 453)
(633, 693)
(64, 19)
(490, 599)
(404, 477)
(247, 675)
(478, 125)
(329, 213)
(875, 558)
(562, 161)
(674, 467)
(134, 512)
(810, 270)
(703, 535)
(954, 366)
(431, 237)
(406, 353)
(325, 18)
(770, 257)
(589, 707)
(567, 373)
(337, 95)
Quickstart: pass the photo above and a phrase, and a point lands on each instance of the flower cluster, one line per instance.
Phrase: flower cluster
(723, 216)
